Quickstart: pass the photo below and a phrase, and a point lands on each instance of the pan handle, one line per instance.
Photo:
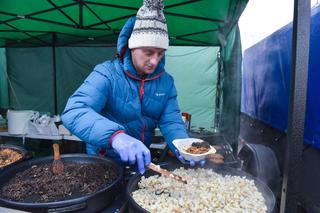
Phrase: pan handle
(71, 208)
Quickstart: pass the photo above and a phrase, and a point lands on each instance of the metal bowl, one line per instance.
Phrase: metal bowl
(85, 203)
(25, 154)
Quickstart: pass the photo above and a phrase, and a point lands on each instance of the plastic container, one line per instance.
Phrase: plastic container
(183, 144)
(17, 120)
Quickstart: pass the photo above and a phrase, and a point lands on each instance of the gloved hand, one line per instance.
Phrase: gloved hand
(191, 162)
(131, 150)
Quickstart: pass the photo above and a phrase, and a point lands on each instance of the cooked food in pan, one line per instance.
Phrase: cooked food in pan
(9, 156)
(205, 191)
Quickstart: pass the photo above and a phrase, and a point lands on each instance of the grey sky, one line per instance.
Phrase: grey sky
(262, 17)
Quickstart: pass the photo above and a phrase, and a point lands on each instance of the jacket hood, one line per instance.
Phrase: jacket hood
(125, 53)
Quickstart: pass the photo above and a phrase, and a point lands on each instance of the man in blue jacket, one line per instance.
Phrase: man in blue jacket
(123, 100)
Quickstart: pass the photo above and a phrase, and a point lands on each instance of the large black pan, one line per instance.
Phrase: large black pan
(224, 170)
(87, 203)
(25, 154)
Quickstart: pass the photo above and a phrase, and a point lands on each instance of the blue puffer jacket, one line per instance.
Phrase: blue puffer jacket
(113, 97)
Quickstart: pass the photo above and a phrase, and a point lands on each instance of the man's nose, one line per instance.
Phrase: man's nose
(155, 60)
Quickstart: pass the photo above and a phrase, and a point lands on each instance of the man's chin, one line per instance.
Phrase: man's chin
(149, 71)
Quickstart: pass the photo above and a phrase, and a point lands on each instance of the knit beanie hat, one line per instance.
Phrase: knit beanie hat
(150, 28)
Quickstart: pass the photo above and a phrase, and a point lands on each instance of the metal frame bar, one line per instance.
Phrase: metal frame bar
(8, 14)
(217, 116)
(83, 3)
(196, 33)
(61, 11)
(182, 3)
(32, 14)
(111, 20)
(112, 5)
(297, 105)
(84, 39)
(54, 73)
(11, 42)
(97, 16)
(81, 15)
(81, 38)
(52, 22)
(26, 33)
(29, 16)
(194, 17)
(194, 41)
(135, 9)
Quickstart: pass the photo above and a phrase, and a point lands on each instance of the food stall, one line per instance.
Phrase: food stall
(62, 40)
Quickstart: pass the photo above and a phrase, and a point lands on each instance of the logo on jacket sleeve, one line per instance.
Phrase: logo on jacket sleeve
(160, 94)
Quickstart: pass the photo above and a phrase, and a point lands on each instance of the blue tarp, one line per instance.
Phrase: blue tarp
(266, 80)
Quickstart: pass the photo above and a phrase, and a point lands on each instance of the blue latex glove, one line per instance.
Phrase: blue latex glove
(191, 162)
(131, 150)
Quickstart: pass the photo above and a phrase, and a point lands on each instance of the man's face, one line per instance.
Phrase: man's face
(146, 59)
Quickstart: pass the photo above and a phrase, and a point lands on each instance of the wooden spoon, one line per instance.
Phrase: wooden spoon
(57, 165)
(166, 173)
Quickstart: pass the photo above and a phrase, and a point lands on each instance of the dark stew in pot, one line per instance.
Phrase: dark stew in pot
(39, 184)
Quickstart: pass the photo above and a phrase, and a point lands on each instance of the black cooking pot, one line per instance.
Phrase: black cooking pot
(25, 154)
(86, 203)
(224, 170)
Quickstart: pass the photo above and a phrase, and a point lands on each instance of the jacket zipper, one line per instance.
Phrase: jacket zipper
(141, 96)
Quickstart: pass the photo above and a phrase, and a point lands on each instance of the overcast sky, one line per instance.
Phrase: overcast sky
(262, 17)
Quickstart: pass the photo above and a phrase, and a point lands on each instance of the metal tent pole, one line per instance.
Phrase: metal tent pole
(217, 116)
(297, 105)
(54, 73)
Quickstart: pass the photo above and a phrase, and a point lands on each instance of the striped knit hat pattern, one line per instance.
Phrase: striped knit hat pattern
(150, 28)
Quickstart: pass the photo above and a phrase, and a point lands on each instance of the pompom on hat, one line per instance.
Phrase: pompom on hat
(150, 28)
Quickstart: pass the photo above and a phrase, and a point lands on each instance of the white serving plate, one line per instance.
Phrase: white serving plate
(183, 144)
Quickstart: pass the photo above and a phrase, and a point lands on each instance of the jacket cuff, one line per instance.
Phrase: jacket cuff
(112, 136)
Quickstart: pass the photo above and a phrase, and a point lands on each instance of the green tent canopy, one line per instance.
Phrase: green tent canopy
(52, 45)
(34, 23)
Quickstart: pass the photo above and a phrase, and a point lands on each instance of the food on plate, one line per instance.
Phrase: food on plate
(9, 156)
(206, 191)
(198, 148)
